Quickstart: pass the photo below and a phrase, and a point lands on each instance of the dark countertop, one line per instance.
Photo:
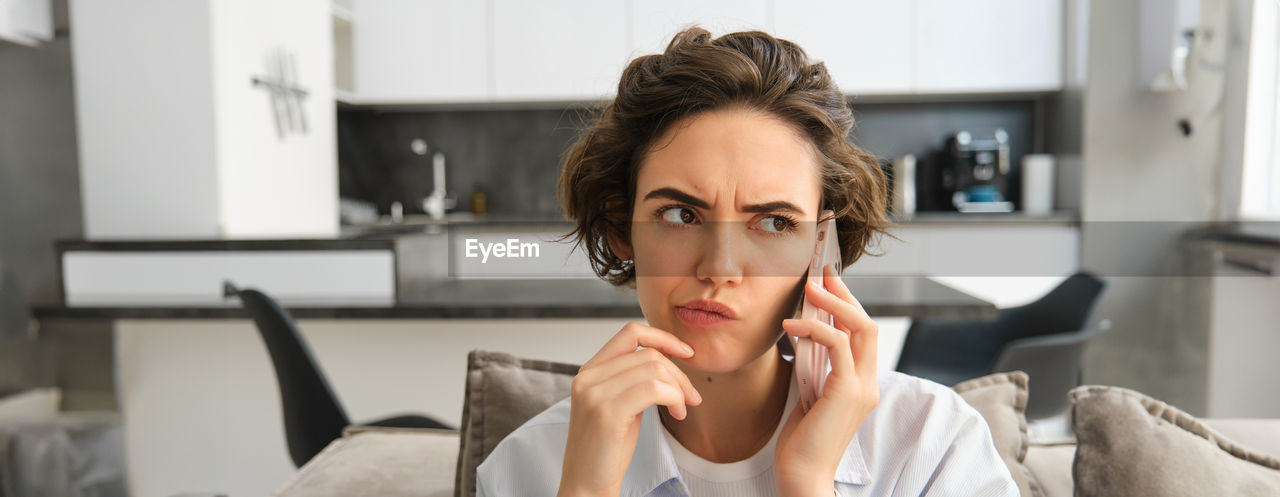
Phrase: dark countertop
(373, 237)
(914, 296)
(1254, 233)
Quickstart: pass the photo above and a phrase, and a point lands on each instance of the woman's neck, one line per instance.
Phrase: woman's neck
(739, 411)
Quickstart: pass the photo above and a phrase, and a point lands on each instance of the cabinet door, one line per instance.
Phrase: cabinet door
(558, 49)
(865, 44)
(653, 22)
(276, 156)
(27, 22)
(420, 51)
(988, 45)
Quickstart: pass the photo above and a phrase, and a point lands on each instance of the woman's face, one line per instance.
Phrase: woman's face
(725, 211)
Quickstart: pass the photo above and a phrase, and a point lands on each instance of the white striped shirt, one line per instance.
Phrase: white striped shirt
(921, 439)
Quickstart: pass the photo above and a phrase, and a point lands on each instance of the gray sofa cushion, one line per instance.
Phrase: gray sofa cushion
(502, 392)
(388, 462)
(1130, 444)
(1001, 398)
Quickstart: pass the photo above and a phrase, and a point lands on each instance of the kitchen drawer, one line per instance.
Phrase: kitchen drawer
(195, 278)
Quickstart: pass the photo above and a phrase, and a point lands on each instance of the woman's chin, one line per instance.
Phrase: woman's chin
(711, 360)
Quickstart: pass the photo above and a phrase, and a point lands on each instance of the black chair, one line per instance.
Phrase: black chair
(949, 352)
(313, 417)
(1054, 365)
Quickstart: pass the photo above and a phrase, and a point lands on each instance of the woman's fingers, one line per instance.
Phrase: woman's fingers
(865, 341)
(608, 369)
(849, 314)
(644, 383)
(832, 282)
(836, 341)
(839, 301)
(634, 335)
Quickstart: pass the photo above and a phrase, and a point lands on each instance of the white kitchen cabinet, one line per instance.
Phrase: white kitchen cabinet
(653, 22)
(967, 46)
(434, 51)
(26, 22)
(546, 51)
(421, 51)
(205, 119)
(867, 45)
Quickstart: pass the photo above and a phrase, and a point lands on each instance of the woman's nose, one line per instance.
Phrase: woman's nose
(720, 259)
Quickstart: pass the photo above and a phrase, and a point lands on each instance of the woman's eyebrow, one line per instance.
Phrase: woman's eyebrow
(679, 196)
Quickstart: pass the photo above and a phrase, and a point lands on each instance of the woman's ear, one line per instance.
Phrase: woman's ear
(619, 242)
(619, 246)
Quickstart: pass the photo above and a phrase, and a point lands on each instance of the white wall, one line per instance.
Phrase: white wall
(144, 116)
(1144, 183)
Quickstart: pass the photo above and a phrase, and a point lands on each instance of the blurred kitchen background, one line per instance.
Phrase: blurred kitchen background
(157, 156)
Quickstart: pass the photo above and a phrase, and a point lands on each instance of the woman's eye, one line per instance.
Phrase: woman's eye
(775, 224)
(678, 215)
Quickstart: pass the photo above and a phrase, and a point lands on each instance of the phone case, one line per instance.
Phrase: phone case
(811, 361)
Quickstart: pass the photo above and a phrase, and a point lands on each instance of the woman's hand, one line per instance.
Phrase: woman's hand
(812, 443)
(610, 393)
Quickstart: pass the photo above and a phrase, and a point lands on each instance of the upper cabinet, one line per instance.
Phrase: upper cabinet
(420, 51)
(557, 49)
(654, 22)
(867, 45)
(988, 45)
(434, 51)
(205, 119)
(26, 22)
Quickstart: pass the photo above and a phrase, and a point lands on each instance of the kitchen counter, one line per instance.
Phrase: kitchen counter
(419, 223)
(1251, 233)
(417, 285)
(385, 235)
(913, 296)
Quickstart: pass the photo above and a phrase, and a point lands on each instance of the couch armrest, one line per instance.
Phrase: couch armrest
(384, 462)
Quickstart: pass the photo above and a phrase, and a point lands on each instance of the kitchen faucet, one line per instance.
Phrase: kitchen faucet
(438, 201)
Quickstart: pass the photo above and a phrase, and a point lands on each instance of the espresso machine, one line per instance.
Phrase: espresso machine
(969, 174)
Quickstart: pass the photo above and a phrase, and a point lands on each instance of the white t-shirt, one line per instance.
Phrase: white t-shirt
(752, 476)
(921, 440)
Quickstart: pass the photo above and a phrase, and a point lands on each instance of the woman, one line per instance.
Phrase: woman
(701, 185)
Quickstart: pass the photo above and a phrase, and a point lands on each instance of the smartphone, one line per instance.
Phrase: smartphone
(812, 361)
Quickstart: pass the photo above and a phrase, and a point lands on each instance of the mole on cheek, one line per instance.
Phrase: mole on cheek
(708, 379)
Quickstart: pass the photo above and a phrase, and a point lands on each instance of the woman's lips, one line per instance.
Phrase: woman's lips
(700, 318)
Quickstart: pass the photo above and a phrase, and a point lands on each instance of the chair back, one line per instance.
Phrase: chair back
(1065, 308)
(952, 351)
(313, 417)
(1054, 365)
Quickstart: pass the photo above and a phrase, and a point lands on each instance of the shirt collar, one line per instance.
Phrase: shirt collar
(653, 465)
(853, 468)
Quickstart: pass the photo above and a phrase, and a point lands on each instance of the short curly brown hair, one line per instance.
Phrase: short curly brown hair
(696, 74)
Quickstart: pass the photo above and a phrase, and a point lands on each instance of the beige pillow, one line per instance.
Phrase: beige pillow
(503, 391)
(1001, 398)
(1130, 444)
(377, 461)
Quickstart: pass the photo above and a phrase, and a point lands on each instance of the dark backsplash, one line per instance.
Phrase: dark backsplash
(514, 156)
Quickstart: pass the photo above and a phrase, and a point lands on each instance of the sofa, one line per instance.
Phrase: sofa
(1123, 443)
